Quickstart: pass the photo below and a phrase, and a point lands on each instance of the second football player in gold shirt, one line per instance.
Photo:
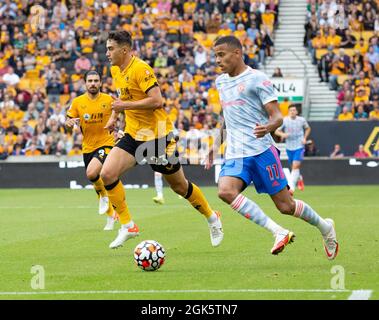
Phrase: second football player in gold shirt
(91, 111)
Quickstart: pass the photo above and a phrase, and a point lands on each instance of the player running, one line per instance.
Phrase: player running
(251, 113)
(91, 111)
(148, 139)
(295, 130)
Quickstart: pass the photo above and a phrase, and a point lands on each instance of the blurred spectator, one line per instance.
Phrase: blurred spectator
(54, 87)
(325, 65)
(3, 151)
(374, 114)
(32, 150)
(284, 106)
(310, 149)
(200, 56)
(277, 73)
(337, 152)
(18, 150)
(82, 64)
(348, 40)
(361, 153)
(345, 115)
(76, 150)
(11, 78)
(360, 114)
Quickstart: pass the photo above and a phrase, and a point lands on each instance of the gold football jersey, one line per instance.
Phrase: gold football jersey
(94, 115)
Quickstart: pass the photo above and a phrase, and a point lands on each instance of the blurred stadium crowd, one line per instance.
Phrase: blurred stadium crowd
(47, 46)
(342, 37)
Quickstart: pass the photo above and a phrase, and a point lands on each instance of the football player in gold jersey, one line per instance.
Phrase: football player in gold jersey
(148, 138)
(92, 111)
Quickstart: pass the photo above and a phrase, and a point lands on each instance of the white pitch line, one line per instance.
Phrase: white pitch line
(77, 207)
(44, 207)
(360, 295)
(170, 205)
(174, 291)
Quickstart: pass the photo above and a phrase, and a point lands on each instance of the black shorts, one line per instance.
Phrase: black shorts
(161, 154)
(100, 154)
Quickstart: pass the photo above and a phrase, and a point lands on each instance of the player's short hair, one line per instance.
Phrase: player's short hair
(231, 41)
(292, 106)
(121, 37)
(90, 73)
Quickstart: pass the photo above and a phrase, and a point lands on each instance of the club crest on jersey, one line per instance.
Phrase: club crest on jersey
(86, 116)
(241, 88)
(267, 83)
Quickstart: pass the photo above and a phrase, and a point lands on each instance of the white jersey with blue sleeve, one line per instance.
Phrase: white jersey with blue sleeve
(243, 98)
(295, 128)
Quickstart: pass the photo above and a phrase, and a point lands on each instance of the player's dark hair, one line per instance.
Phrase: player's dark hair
(231, 41)
(90, 73)
(121, 37)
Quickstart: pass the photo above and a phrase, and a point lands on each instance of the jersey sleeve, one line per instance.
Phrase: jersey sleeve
(72, 111)
(265, 90)
(145, 77)
(305, 124)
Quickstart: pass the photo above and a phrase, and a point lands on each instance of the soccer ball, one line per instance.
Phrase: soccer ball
(149, 255)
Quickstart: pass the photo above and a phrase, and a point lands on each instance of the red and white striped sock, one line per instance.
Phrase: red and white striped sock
(250, 210)
(305, 212)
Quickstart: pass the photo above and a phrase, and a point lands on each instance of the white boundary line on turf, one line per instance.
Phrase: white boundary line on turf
(78, 207)
(172, 205)
(171, 291)
(355, 294)
(360, 295)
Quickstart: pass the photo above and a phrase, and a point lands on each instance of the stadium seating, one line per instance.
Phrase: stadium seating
(357, 62)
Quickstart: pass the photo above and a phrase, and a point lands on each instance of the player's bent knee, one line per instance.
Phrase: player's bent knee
(108, 176)
(227, 195)
(92, 175)
(286, 208)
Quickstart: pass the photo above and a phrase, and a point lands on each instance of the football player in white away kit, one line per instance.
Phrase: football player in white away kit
(251, 113)
(295, 130)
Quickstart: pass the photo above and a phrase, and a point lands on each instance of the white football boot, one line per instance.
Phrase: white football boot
(103, 204)
(124, 234)
(330, 241)
(216, 231)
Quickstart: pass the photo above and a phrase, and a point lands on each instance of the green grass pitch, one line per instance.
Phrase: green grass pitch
(60, 230)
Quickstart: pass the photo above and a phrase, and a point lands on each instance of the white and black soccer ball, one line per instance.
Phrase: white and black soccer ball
(149, 255)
